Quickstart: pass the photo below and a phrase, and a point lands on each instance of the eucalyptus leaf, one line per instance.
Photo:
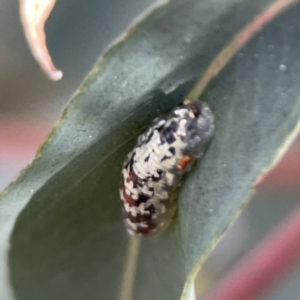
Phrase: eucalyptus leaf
(62, 233)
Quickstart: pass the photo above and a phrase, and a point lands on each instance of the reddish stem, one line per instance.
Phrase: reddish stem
(20, 138)
(286, 174)
(264, 265)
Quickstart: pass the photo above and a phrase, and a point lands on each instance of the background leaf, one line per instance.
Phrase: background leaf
(257, 102)
(68, 240)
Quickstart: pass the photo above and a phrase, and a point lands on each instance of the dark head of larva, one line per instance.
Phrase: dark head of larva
(193, 123)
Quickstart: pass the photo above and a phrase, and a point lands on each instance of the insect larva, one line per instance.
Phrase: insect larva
(154, 169)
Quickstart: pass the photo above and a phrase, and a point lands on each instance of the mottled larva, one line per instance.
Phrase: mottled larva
(154, 169)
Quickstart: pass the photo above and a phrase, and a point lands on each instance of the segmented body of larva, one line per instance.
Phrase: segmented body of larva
(154, 169)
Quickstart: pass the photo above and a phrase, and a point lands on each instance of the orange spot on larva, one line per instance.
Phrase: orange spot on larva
(184, 162)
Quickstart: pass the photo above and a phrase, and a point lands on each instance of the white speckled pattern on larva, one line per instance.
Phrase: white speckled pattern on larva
(154, 169)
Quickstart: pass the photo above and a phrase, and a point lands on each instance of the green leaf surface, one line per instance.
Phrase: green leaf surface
(62, 233)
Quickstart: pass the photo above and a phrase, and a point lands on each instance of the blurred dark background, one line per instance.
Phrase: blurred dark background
(77, 33)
